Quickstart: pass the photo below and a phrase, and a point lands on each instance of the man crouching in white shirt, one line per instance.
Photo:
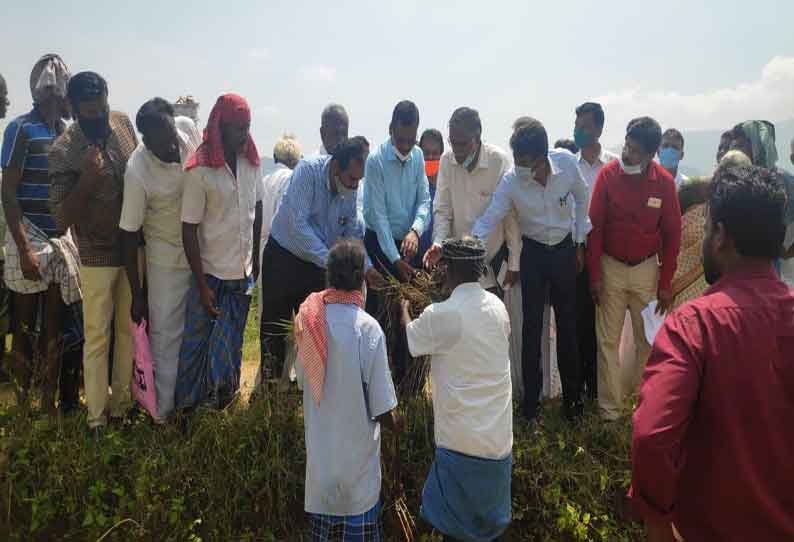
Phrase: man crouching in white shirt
(467, 492)
(153, 184)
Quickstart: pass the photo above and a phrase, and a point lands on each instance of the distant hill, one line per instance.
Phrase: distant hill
(701, 147)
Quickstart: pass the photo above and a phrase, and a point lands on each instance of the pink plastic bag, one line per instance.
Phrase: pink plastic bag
(143, 369)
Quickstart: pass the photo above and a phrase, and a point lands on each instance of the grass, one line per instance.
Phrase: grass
(238, 475)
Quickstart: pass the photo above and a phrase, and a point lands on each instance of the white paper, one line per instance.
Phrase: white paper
(651, 321)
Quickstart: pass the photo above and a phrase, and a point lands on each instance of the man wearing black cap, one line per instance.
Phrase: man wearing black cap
(86, 166)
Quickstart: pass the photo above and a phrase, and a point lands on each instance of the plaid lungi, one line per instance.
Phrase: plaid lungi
(364, 527)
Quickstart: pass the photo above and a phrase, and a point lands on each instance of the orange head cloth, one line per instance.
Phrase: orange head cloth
(230, 109)
(431, 167)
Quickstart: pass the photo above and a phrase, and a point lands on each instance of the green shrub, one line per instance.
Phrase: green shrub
(238, 475)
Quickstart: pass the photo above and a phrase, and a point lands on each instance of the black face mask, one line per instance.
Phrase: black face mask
(96, 130)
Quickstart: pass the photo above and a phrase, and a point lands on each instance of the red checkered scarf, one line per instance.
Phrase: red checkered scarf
(232, 109)
(310, 334)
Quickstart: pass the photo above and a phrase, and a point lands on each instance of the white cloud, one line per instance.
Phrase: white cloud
(318, 73)
(769, 97)
(267, 111)
(259, 55)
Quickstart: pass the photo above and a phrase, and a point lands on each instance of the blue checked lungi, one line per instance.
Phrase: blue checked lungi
(468, 498)
(212, 349)
(364, 527)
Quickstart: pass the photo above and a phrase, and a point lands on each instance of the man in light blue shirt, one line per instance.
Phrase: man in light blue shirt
(549, 195)
(396, 213)
(318, 208)
(397, 196)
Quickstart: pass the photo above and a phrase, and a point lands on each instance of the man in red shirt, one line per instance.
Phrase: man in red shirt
(632, 248)
(713, 446)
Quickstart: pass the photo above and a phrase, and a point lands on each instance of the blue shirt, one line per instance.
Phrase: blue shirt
(26, 145)
(343, 475)
(396, 197)
(311, 218)
(427, 238)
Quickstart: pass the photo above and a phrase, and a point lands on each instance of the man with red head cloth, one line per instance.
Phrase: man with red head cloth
(221, 217)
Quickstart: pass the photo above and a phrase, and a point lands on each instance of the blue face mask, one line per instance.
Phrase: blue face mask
(669, 158)
(582, 138)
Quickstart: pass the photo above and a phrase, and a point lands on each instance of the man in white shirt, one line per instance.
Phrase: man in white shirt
(153, 185)
(467, 493)
(334, 125)
(468, 175)
(588, 127)
(221, 217)
(546, 190)
(348, 394)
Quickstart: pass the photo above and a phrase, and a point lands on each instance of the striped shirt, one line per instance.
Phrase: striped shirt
(26, 143)
(311, 218)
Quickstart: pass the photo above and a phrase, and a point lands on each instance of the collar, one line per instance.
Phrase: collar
(555, 169)
(465, 289)
(603, 157)
(748, 271)
(327, 176)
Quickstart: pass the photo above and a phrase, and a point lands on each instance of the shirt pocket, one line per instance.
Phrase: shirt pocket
(564, 207)
(650, 213)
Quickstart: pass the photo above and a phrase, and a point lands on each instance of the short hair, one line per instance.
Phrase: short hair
(151, 113)
(675, 134)
(530, 139)
(332, 110)
(744, 191)
(3, 81)
(647, 132)
(567, 144)
(345, 265)
(85, 86)
(521, 121)
(595, 109)
(432, 133)
(287, 149)
(350, 149)
(467, 119)
(405, 114)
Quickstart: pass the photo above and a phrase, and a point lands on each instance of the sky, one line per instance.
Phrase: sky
(683, 62)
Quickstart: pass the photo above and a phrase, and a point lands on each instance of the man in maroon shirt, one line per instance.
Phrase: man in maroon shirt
(632, 252)
(713, 446)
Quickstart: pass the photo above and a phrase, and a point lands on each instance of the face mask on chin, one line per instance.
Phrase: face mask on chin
(341, 189)
(524, 173)
(630, 170)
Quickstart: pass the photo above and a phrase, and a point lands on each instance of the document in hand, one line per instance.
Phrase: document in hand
(652, 321)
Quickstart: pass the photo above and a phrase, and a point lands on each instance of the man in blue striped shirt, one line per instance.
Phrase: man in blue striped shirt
(318, 208)
(25, 196)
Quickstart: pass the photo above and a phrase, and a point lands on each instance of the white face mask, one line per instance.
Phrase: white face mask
(630, 170)
(343, 190)
(524, 173)
(400, 156)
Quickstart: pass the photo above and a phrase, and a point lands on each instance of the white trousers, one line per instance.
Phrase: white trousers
(168, 290)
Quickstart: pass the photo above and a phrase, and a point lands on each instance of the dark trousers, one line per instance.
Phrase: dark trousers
(585, 329)
(551, 268)
(397, 343)
(286, 283)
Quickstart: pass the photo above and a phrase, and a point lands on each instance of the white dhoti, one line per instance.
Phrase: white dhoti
(168, 290)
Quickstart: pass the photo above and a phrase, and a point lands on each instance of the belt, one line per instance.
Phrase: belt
(633, 263)
(565, 243)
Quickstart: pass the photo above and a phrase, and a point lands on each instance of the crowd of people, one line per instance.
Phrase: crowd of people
(175, 230)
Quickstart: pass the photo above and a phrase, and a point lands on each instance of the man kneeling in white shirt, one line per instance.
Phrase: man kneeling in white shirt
(467, 492)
